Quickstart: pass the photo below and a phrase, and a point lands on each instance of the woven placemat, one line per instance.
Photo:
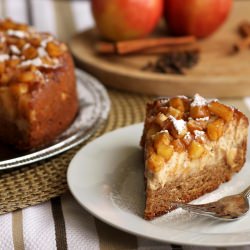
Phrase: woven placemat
(42, 181)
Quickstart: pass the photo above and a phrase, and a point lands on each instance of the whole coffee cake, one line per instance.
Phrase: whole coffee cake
(38, 98)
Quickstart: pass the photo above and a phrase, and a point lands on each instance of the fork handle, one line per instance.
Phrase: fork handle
(246, 192)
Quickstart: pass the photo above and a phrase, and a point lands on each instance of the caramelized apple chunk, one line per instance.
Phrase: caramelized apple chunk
(196, 125)
(221, 110)
(175, 113)
(162, 145)
(54, 49)
(178, 145)
(30, 53)
(199, 111)
(166, 151)
(195, 150)
(155, 163)
(161, 138)
(215, 129)
(160, 118)
(35, 41)
(153, 129)
(26, 76)
(180, 103)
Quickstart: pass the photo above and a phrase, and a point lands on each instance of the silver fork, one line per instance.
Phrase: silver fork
(228, 208)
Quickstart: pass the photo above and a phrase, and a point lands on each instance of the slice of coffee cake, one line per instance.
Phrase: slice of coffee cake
(191, 146)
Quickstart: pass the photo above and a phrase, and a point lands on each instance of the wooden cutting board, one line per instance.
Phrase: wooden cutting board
(218, 74)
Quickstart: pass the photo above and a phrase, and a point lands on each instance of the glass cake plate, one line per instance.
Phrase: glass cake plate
(94, 110)
(107, 178)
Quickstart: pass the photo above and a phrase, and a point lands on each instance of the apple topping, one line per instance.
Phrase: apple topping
(13, 63)
(195, 150)
(54, 49)
(178, 145)
(175, 113)
(26, 76)
(179, 103)
(196, 125)
(152, 130)
(178, 128)
(162, 145)
(35, 41)
(215, 129)
(199, 112)
(7, 24)
(30, 53)
(188, 138)
(155, 162)
(160, 118)
(161, 138)
(221, 110)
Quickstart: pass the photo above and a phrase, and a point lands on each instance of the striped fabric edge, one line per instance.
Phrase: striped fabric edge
(60, 230)
(17, 230)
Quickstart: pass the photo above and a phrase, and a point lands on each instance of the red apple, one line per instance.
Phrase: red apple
(126, 19)
(196, 17)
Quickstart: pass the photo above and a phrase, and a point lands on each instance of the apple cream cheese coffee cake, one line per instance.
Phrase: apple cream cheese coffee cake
(191, 146)
(38, 98)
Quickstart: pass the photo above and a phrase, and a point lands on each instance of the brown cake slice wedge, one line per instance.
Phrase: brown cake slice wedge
(191, 146)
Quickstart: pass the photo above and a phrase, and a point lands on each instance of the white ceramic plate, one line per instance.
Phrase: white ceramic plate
(106, 178)
(93, 111)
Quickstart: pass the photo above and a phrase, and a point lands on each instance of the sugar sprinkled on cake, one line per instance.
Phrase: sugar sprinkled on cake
(198, 101)
(180, 125)
(202, 118)
(17, 33)
(15, 50)
(199, 134)
(187, 136)
(4, 57)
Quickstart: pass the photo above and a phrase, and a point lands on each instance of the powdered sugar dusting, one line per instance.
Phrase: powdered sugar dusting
(180, 125)
(198, 101)
(46, 41)
(42, 52)
(187, 136)
(4, 57)
(202, 119)
(15, 50)
(17, 33)
(39, 63)
(36, 62)
(199, 134)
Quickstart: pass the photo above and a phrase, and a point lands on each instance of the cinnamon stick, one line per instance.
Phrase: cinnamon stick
(132, 46)
(105, 48)
(169, 49)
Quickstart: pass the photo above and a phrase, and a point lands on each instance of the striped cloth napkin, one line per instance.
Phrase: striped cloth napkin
(63, 224)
